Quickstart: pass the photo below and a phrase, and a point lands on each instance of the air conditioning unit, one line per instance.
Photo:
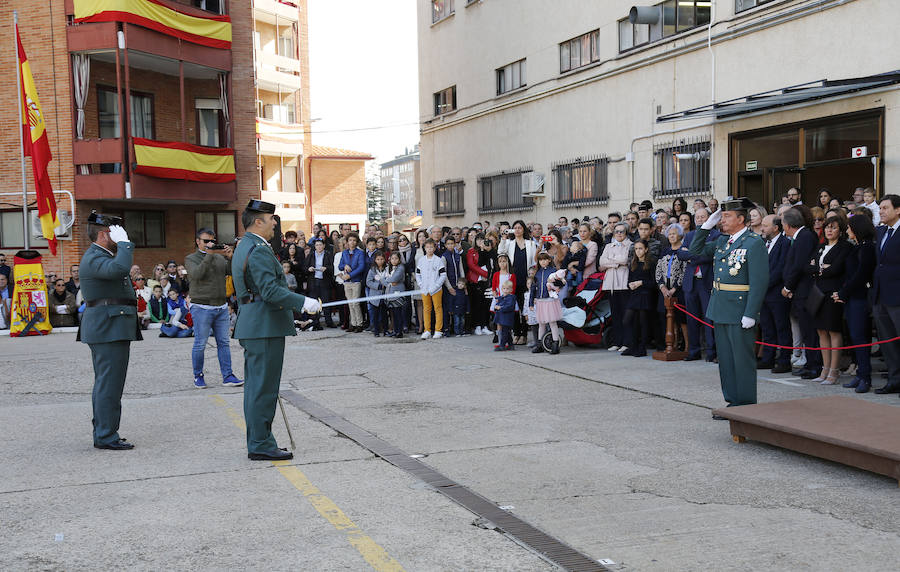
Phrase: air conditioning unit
(532, 184)
(63, 231)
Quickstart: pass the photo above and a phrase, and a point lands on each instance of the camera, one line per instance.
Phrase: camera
(216, 246)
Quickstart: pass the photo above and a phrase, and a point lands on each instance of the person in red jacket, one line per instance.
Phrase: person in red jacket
(478, 271)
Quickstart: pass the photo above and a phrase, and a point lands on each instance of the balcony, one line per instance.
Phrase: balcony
(279, 139)
(275, 11)
(173, 144)
(277, 73)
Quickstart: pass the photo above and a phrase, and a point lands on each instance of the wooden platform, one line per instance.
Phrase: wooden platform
(841, 429)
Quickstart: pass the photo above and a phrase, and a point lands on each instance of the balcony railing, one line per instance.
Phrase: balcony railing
(289, 206)
(270, 78)
(267, 10)
(279, 139)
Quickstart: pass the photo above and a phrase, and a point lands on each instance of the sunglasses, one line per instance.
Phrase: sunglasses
(620, 232)
(139, 279)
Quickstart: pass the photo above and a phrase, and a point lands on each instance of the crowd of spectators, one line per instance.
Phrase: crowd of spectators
(829, 264)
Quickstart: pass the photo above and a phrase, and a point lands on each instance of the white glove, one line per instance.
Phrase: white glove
(713, 220)
(117, 234)
(311, 305)
(747, 323)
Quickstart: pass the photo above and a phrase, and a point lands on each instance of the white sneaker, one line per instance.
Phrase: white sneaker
(426, 335)
(486, 331)
(623, 348)
(612, 349)
(438, 335)
(801, 361)
(477, 330)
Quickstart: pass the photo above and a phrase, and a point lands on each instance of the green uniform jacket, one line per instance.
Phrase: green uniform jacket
(746, 261)
(106, 276)
(256, 271)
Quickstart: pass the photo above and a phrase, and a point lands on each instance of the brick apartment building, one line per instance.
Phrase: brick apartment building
(173, 115)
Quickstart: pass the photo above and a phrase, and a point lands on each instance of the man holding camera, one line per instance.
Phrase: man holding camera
(207, 268)
(109, 323)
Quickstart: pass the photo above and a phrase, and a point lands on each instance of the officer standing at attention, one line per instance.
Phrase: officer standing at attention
(109, 323)
(740, 280)
(265, 317)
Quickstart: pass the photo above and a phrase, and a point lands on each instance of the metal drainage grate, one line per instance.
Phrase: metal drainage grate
(545, 545)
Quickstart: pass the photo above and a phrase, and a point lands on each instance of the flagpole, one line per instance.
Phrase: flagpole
(25, 232)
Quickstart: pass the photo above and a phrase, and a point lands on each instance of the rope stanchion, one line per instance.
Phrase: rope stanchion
(869, 345)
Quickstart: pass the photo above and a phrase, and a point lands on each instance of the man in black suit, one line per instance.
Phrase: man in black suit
(774, 317)
(885, 294)
(797, 285)
(697, 286)
(320, 266)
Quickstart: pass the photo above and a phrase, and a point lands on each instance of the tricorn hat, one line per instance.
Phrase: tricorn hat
(103, 219)
(260, 207)
(741, 204)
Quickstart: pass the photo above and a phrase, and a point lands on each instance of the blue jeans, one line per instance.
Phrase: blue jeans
(218, 323)
(459, 321)
(169, 331)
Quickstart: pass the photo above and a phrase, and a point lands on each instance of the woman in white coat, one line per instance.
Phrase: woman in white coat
(522, 253)
(614, 262)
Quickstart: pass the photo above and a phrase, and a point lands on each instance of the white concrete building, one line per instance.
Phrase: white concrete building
(535, 109)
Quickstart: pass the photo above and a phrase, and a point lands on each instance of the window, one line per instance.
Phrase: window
(146, 229)
(682, 169)
(579, 52)
(445, 101)
(448, 198)
(11, 235)
(209, 121)
(741, 5)
(224, 224)
(142, 120)
(498, 192)
(441, 9)
(581, 182)
(289, 176)
(284, 113)
(672, 17)
(214, 6)
(511, 77)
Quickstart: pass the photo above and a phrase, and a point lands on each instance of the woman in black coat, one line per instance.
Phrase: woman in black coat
(854, 296)
(828, 269)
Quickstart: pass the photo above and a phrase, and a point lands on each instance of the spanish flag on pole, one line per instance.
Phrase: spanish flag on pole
(36, 146)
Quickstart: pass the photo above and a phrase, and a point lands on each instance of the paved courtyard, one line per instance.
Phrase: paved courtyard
(615, 456)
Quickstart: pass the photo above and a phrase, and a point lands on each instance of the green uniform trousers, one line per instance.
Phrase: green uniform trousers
(737, 363)
(110, 367)
(263, 359)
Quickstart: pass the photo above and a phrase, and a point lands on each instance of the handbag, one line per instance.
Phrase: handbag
(815, 300)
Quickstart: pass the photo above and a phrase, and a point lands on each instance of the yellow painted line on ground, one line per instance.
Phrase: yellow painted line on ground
(371, 551)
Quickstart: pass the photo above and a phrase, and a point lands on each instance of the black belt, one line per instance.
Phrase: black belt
(111, 302)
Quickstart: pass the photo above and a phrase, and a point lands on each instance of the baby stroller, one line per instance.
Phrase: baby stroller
(585, 314)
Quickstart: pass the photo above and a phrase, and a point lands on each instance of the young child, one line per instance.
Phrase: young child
(291, 279)
(159, 308)
(377, 284)
(430, 271)
(502, 274)
(505, 316)
(529, 313)
(546, 306)
(641, 281)
(578, 254)
(459, 306)
(177, 326)
(869, 198)
(396, 283)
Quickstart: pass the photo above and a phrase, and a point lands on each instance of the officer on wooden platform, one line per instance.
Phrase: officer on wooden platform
(109, 323)
(740, 279)
(265, 317)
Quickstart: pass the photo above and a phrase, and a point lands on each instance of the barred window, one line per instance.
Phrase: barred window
(579, 52)
(681, 169)
(448, 198)
(582, 181)
(500, 192)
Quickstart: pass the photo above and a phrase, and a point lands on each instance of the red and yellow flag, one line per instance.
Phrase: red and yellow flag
(37, 146)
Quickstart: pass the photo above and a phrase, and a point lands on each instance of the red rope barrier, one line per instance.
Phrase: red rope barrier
(708, 325)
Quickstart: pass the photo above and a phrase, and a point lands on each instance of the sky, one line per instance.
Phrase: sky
(364, 75)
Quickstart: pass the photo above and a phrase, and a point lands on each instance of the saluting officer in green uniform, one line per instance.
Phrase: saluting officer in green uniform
(265, 317)
(740, 279)
(109, 323)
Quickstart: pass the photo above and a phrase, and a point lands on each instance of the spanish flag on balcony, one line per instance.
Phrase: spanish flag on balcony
(37, 146)
(172, 160)
(212, 30)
